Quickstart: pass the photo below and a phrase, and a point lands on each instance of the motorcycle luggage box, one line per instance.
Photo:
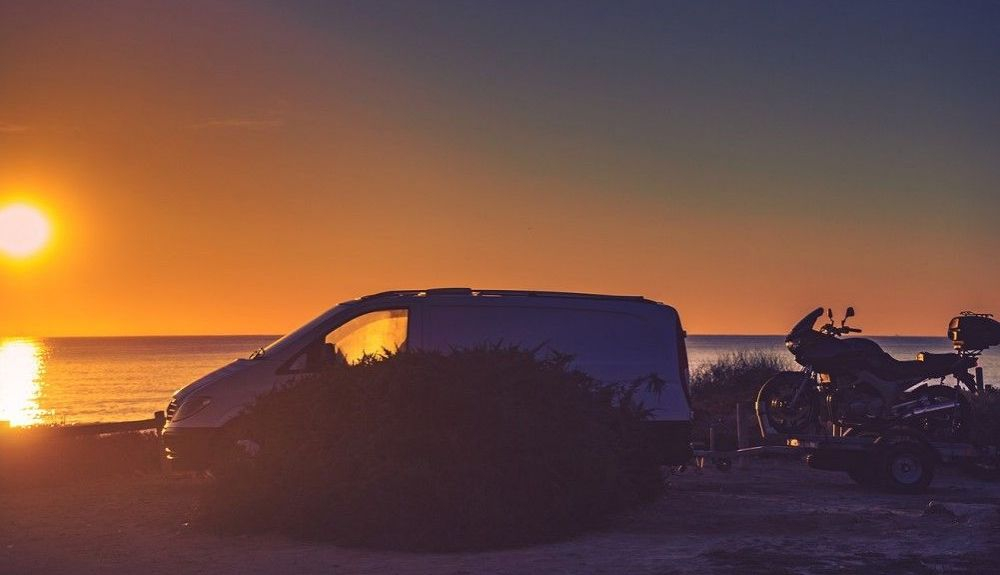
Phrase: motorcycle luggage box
(973, 332)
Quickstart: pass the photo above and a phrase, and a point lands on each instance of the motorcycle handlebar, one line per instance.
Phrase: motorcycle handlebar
(833, 330)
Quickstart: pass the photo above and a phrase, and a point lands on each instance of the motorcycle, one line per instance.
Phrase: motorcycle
(853, 383)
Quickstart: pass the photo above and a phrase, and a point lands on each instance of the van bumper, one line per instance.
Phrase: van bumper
(190, 449)
(670, 439)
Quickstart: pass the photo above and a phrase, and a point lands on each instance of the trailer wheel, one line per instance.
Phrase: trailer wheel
(906, 466)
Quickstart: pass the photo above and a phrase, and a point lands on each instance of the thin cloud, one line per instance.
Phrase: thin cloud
(239, 124)
(6, 128)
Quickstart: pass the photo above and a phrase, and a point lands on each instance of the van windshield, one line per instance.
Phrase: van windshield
(278, 345)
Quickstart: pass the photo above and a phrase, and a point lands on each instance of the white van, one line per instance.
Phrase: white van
(613, 338)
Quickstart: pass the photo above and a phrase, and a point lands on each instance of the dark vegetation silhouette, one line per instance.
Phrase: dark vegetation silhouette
(986, 417)
(718, 386)
(480, 448)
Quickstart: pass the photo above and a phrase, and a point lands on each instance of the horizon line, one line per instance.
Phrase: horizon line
(277, 335)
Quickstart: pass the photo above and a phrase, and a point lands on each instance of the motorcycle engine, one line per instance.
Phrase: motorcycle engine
(857, 405)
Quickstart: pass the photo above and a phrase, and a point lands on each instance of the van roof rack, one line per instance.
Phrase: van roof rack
(534, 293)
(502, 292)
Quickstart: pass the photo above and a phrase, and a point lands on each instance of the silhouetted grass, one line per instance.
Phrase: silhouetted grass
(986, 417)
(734, 378)
(481, 448)
(985, 432)
(42, 456)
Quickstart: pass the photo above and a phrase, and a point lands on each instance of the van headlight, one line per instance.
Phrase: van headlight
(191, 406)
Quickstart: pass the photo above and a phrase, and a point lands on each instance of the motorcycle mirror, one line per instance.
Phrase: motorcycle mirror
(848, 314)
(829, 313)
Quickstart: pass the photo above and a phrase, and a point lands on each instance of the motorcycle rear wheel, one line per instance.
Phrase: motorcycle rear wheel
(775, 409)
(949, 425)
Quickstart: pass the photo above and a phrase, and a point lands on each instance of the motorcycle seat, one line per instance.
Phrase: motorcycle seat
(927, 365)
(938, 358)
(947, 363)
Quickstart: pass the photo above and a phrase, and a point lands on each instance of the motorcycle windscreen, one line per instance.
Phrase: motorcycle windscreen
(806, 323)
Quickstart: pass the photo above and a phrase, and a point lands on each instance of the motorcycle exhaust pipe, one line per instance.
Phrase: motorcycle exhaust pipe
(933, 408)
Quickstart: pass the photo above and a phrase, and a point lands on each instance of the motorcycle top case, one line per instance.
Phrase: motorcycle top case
(973, 332)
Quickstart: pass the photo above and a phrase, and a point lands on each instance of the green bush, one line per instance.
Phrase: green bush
(480, 448)
(733, 378)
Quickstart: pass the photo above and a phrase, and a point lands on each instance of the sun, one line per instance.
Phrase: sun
(24, 230)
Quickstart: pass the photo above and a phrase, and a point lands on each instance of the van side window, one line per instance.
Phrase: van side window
(609, 345)
(374, 333)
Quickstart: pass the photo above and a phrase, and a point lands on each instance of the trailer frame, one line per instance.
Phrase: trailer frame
(899, 459)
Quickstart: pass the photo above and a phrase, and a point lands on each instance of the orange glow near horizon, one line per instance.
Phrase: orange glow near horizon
(238, 168)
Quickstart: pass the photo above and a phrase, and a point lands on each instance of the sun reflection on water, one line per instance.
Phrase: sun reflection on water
(22, 365)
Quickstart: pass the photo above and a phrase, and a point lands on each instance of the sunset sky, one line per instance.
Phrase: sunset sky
(238, 167)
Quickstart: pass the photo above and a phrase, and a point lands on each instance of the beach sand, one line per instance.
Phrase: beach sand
(771, 516)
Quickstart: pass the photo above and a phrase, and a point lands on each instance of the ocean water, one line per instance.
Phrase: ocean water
(703, 349)
(91, 379)
(77, 380)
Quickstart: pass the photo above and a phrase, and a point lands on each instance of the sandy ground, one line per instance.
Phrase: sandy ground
(771, 516)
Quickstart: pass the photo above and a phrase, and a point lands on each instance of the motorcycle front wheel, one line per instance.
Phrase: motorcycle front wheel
(776, 410)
